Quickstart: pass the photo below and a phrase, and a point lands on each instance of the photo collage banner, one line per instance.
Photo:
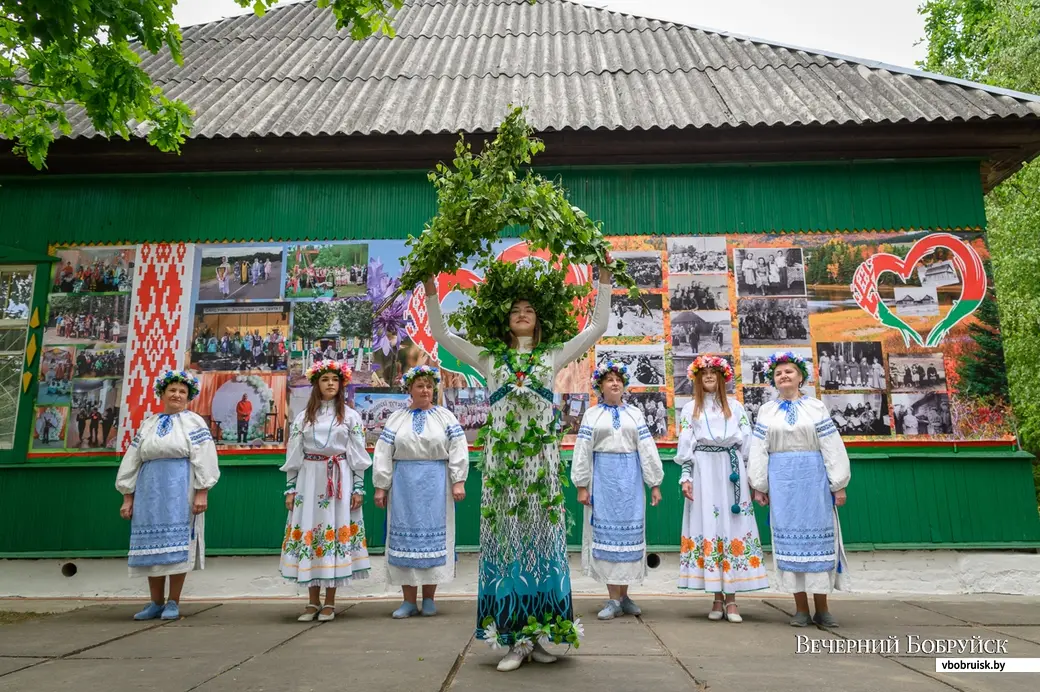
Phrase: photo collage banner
(882, 318)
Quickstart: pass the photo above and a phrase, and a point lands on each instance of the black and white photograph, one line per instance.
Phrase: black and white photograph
(644, 267)
(773, 322)
(851, 365)
(923, 413)
(755, 397)
(684, 385)
(572, 407)
(471, 406)
(87, 319)
(240, 272)
(706, 331)
(754, 366)
(680, 403)
(774, 272)
(628, 317)
(697, 255)
(914, 301)
(938, 274)
(645, 362)
(654, 407)
(704, 292)
(859, 414)
(917, 372)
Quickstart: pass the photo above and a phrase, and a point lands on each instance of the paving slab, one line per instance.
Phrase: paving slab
(281, 612)
(365, 647)
(117, 675)
(987, 611)
(573, 673)
(809, 672)
(975, 682)
(1031, 634)
(231, 643)
(9, 665)
(918, 636)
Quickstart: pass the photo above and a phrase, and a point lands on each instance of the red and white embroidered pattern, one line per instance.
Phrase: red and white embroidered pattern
(159, 315)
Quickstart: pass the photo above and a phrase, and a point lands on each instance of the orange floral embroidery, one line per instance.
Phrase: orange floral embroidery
(319, 551)
(754, 561)
(343, 535)
(354, 528)
(686, 545)
(364, 542)
(700, 562)
(297, 535)
(308, 538)
(725, 565)
(736, 547)
(330, 534)
(707, 546)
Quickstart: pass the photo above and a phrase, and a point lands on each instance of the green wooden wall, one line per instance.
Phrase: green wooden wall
(906, 498)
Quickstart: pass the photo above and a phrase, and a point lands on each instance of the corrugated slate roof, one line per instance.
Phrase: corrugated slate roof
(456, 65)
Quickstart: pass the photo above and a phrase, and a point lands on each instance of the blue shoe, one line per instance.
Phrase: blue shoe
(428, 607)
(172, 611)
(406, 610)
(150, 612)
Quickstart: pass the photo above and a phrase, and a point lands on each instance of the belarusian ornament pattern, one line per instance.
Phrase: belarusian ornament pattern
(159, 322)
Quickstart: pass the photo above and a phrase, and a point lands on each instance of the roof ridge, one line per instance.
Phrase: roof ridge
(866, 62)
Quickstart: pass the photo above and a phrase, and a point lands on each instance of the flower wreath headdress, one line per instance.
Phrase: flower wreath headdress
(781, 357)
(170, 376)
(409, 376)
(320, 367)
(717, 362)
(604, 369)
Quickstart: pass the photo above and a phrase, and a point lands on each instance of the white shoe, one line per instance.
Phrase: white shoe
(511, 661)
(716, 615)
(733, 617)
(312, 612)
(322, 617)
(540, 655)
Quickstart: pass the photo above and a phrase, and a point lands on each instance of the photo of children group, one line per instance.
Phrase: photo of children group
(79, 389)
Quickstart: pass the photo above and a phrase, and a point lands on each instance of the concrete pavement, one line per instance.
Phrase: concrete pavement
(259, 646)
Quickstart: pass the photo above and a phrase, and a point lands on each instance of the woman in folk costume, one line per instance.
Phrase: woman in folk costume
(419, 470)
(721, 550)
(799, 468)
(165, 477)
(614, 456)
(523, 570)
(324, 544)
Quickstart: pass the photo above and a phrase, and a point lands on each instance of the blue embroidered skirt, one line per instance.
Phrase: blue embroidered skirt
(417, 526)
(801, 513)
(618, 507)
(161, 526)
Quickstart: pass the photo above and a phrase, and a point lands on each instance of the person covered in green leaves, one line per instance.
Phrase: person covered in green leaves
(521, 332)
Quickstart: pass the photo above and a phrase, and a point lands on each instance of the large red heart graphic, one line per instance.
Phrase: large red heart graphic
(969, 265)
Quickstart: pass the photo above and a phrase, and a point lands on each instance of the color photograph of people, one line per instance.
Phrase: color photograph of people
(698, 255)
(859, 414)
(375, 407)
(629, 317)
(55, 382)
(654, 407)
(775, 272)
(851, 365)
(88, 270)
(754, 367)
(644, 267)
(334, 270)
(681, 377)
(49, 427)
(709, 292)
(240, 273)
(917, 372)
(471, 406)
(645, 362)
(925, 413)
(243, 409)
(87, 319)
(100, 362)
(773, 322)
(572, 407)
(94, 415)
(707, 331)
(240, 337)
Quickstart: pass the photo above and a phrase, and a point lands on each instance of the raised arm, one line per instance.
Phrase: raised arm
(460, 348)
(593, 332)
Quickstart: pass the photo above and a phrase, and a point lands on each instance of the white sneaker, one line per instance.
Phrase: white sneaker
(540, 655)
(610, 610)
(511, 661)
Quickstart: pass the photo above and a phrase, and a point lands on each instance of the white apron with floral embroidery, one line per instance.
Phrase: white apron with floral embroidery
(721, 550)
(324, 542)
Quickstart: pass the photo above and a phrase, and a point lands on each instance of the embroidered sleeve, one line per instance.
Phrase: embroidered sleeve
(581, 459)
(458, 450)
(203, 455)
(126, 476)
(383, 460)
(835, 456)
(293, 454)
(684, 449)
(357, 456)
(758, 455)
